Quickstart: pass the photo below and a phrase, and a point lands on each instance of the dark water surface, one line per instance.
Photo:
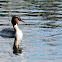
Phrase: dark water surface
(42, 41)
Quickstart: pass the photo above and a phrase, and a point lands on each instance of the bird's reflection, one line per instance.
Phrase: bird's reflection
(16, 49)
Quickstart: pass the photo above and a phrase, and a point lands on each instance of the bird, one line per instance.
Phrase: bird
(14, 32)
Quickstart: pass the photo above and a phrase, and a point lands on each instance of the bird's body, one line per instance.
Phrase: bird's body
(8, 32)
(14, 32)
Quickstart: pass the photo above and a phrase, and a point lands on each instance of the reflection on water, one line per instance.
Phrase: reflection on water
(42, 39)
(17, 50)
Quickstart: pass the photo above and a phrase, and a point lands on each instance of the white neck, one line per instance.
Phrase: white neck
(16, 27)
(16, 38)
(19, 35)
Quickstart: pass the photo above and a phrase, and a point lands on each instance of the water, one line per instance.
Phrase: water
(42, 41)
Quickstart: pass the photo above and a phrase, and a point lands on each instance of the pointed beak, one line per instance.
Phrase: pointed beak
(22, 20)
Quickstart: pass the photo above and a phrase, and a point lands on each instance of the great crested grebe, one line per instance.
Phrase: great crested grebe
(14, 32)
